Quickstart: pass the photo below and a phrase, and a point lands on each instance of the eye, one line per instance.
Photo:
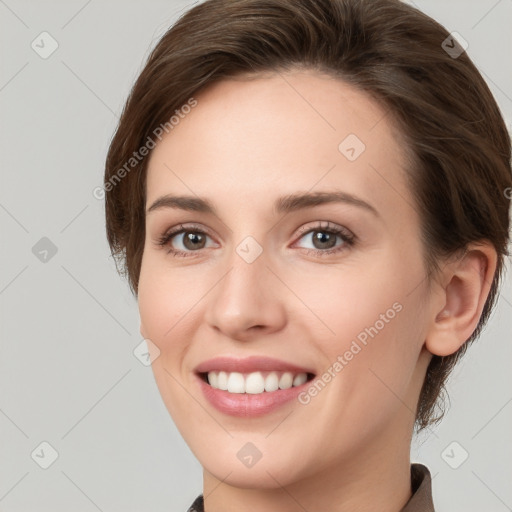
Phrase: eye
(184, 241)
(324, 238)
(188, 239)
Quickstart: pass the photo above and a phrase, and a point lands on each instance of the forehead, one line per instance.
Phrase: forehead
(265, 136)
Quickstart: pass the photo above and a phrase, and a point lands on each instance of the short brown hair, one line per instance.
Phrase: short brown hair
(453, 127)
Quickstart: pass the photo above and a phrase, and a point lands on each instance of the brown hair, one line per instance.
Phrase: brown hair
(453, 127)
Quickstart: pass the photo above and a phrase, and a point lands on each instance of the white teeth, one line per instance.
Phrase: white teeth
(236, 383)
(255, 383)
(286, 380)
(272, 382)
(222, 381)
(213, 379)
(300, 379)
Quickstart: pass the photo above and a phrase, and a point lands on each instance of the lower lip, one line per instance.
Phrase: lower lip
(247, 405)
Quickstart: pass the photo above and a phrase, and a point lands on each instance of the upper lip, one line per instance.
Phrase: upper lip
(248, 365)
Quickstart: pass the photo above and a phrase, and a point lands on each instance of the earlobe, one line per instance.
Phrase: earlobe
(469, 281)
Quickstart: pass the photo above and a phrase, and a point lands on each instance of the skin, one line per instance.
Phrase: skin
(245, 144)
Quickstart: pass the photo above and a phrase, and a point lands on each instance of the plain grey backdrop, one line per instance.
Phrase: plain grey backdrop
(82, 425)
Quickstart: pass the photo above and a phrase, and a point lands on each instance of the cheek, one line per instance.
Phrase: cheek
(373, 337)
(164, 301)
(165, 305)
(356, 301)
(375, 325)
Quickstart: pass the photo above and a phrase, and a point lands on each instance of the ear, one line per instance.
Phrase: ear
(467, 282)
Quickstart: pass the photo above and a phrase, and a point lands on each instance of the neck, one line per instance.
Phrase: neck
(378, 473)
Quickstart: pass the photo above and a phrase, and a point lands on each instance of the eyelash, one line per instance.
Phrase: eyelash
(347, 237)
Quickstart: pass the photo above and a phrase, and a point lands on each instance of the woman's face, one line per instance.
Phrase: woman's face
(280, 288)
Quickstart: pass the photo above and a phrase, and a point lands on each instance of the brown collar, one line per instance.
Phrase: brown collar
(421, 488)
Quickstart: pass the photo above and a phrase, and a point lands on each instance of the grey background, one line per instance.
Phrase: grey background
(69, 325)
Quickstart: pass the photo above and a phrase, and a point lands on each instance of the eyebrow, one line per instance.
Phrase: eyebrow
(285, 204)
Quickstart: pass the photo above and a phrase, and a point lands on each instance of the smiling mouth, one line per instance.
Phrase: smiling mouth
(255, 382)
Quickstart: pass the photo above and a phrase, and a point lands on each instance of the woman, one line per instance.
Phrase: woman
(309, 198)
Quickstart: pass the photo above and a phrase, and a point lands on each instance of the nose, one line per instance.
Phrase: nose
(248, 301)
